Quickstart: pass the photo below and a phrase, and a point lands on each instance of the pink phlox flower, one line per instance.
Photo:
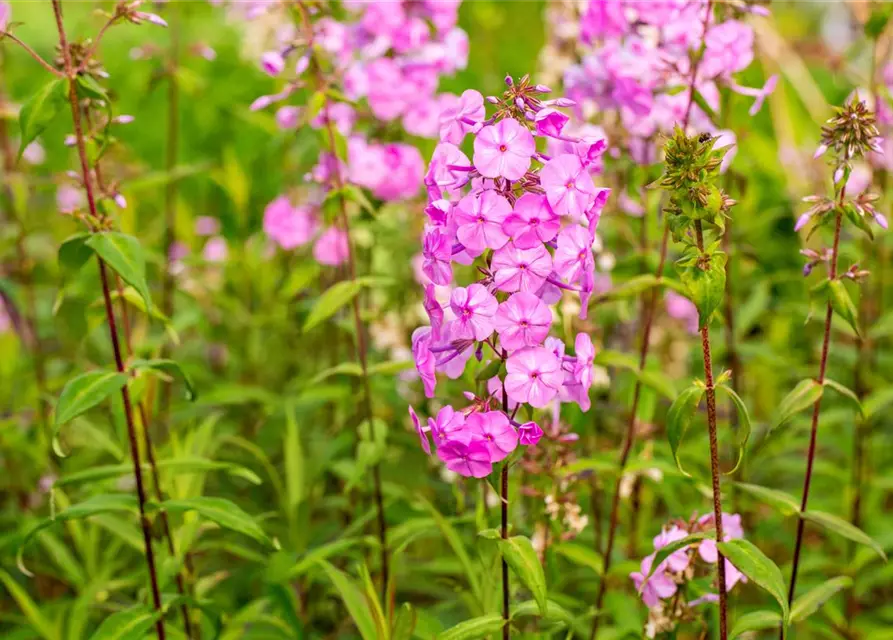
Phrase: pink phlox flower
(573, 255)
(681, 308)
(568, 186)
(522, 321)
(494, 388)
(678, 560)
(439, 212)
(656, 588)
(550, 122)
(461, 117)
(479, 221)
(495, 431)
(448, 426)
(421, 430)
(289, 226)
(529, 434)
(437, 250)
(474, 308)
(443, 174)
(533, 376)
(531, 222)
(731, 530)
(434, 311)
(585, 356)
(332, 247)
(503, 150)
(518, 269)
(425, 360)
(471, 459)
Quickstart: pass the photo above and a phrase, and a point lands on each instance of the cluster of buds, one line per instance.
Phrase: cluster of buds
(669, 589)
(851, 133)
(523, 221)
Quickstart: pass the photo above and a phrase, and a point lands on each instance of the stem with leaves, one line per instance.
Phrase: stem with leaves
(504, 533)
(71, 75)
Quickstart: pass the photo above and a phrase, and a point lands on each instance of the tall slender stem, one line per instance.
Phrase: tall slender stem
(110, 319)
(817, 407)
(504, 533)
(153, 466)
(359, 326)
(714, 459)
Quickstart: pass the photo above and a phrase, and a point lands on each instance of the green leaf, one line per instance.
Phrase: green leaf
(169, 367)
(812, 601)
(343, 369)
(581, 555)
(679, 418)
(354, 600)
(331, 301)
(706, 286)
(742, 431)
(845, 529)
(456, 544)
(629, 289)
(124, 254)
(753, 563)
(878, 400)
(669, 549)
(521, 557)
(318, 554)
(299, 278)
(131, 624)
(94, 505)
(219, 510)
(805, 394)
(29, 608)
(404, 623)
(846, 393)
(473, 629)
(89, 88)
(653, 379)
(41, 109)
(755, 621)
(554, 612)
(74, 252)
(85, 392)
(783, 502)
(489, 371)
(880, 16)
(294, 461)
(843, 304)
(185, 465)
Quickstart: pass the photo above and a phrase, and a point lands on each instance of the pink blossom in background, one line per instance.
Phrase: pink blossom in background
(207, 226)
(215, 250)
(681, 308)
(289, 227)
(331, 247)
(655, 588)
(69, 199)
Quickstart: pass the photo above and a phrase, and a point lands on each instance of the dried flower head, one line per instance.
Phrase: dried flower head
(851, 133)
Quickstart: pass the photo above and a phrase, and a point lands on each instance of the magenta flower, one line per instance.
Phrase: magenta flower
(402, 172)
(331, 247)
(534, 376)
(522, 321)
(550, 122)
(437, 251)
(678, 560)
(503, 150)
(460, 117)
(421, 431)
(585, 357)
(289, 226)
(434, 311)
(272, 63)
(479, 220)
(531, 222)
(471, 459)
(529, 434)
(287, 117)
(573, 256)
(568, 186)
(495, 431)
(449, 426)
(425, 362)
(520, 269)
(681, 308)
(474, 308)
(655, 588)
(444, 171)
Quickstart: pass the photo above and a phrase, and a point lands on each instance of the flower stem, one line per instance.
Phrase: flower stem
(714, 459)
(359, 326)
(110, 320)
(504, 495)
(816, 408)
(153, 467)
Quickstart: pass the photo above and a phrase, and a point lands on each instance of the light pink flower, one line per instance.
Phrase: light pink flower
(479, 220)
(495, 431)
(531, 222)
(272, 63)
(425, 362)
(434, 311)
(529, 434)
(474, 308)
(655, 588)
(471, 460)
(585, 357)
(533, 376)
(550, 122)
(421, 431)
(569, 188)
(460, 117)
(520, 269)
(287, 117)
(289, 226)
(503, 150)
(215, 250)
(448, 426)
(573, 256)
(437, 251)
(331, 247)
(678, 560)
(522, 321)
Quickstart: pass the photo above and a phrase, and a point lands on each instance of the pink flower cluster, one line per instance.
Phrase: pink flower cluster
(389, 53)
(639, 55)
(523, 223)
(679, 567)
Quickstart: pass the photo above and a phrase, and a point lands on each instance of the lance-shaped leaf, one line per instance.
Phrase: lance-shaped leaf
(753, 563)
(521, 557)
(846, 393)
(783, 502)
(85, 392)
(354, 600)
(474, 629)
(41, 109)
(679, 418)
(705, 280)
(404, 623)
(331, 301)
(219, 510)
(743, 428)
(581, 555)
(32, 612)
(845, 529)
(812, 600)
(669, 549)
(178, 466)
(755, 621)
(131, 624)
(124, 254)
(653, 379)
(74, 253)
(170, 367)
(805, 394)
(843, 304)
